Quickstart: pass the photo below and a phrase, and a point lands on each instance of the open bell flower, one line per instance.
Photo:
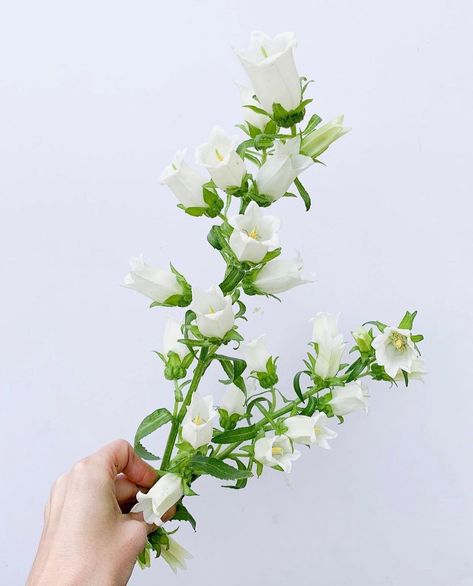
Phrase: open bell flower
(351, 397)
(281, 274)
(276, 451)
(159, 498)
(329, 342)
(256, 354)
(277, 174)
(233, 401)
(173, 333)
(310, 430)
(395, 350)
(157, 284)
(214, 312)
(254, 118)
(318, 141)
(221, 160)
(254, 234)
(269, 63)
(184, 182)
(197, 426)
(175, 555)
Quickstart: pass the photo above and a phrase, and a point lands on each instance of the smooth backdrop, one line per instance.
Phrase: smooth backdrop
(95, 97)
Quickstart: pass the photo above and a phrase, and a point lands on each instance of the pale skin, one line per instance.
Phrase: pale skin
(89, 538)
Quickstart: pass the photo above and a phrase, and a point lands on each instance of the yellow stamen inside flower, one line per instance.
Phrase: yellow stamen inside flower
(265, 53)
(198, 420)
(211, 309)
(253, 233)
(275, 451)
(218, 154)
(399, 341)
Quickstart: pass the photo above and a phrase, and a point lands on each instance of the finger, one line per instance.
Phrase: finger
(150, 527)
(125, 490)
(119, 457)
(168, 515)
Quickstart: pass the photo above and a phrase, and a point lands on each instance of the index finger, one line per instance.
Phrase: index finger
(119, 457)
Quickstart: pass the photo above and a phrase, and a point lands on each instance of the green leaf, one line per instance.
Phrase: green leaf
(417, 338)
(150, 423)
(241, 483)
(297, 385)
(379, 324)
(310, 408)
(257, 110)
(408, 320)
(182, 514)
(214, 467)
(303, 193)
(240, 434)
(233, 276)
(314, 121)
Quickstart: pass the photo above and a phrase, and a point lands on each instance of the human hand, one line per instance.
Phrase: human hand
(89, 538)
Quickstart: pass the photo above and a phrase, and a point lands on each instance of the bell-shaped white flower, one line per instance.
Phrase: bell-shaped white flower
(276, 451)
(175, 555)
(197, 426)
(281, 274)
(417, 371)
(256, 354)
(302, 429)
(318, 141)
(184, 182)
(329, 342)
(214, 312)
(269, 63)
(253, 233)
(254, 118)
(395, 350)
(351, 397)
(157, 284)
(277, 174)
(159, 498)
(173, 333)
(221, 160)
(233, 401)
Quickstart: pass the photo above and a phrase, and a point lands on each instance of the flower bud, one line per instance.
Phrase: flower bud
(318, 141)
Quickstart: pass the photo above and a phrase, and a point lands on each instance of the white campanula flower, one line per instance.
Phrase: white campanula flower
(157, 284)
(395, 350)
(417, 371)
(159, 498)
(197, 426)
(281, 274)
(310, 430)
(175, 555)
(184, 182)
(173, 333)
(318, 141)
(269, 63)
(351, 397)
(254, 234)
(277, 174)
(256, 354)
(214, 312)
(221, 160)
(233, 400)
(329, 342)
(250, 116)
(276, 451)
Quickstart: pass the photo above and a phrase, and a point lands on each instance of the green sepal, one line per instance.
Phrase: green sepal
(407, 321)
(303, 193)
(288, 118)
(268, 378)
(182, 514)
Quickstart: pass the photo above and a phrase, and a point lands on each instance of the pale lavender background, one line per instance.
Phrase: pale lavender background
(95, 98)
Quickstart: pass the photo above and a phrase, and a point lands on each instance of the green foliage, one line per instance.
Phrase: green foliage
(240, 434)
(407, 321)
(150, 423)
(303, 193)
(182, 514)
(214, 467)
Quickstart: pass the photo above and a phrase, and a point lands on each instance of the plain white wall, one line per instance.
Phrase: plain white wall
(95, 98)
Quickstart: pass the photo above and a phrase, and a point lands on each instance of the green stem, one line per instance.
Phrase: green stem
(177, 420)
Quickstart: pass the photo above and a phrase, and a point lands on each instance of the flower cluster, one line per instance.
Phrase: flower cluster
(255, 423)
